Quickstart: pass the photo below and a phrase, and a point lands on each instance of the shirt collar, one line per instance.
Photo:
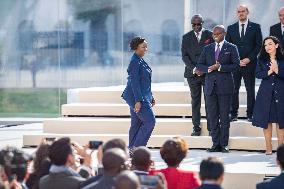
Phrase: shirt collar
(221, 43)
(282, 26)
(246, 23)
(200, 31)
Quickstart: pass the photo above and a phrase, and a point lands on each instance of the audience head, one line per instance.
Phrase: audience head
(212, 169)
(61, 152)
(281, 14)
(114, 161)
(141, 159)
(14, 163)
(219, 33)
(196, 22)
(270, 47)
(242, 12)
(127, 180)
(280, 156)
(174, 151)
(115, 143)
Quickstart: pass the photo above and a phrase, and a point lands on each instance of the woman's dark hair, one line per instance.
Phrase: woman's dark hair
(174, 151)
(135, 42)
(263, 55)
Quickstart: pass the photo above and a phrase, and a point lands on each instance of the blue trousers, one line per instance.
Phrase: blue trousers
(142, 125)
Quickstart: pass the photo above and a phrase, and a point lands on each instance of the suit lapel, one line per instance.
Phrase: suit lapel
(223, 50)
(248, 29)
(203, 34)
(193, 38)
(279, 31)
(237, 28)
(213, 52)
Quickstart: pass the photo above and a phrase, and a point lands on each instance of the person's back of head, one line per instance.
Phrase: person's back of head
(14, 163)
(212, 169)
(60, 151)
(141, 159)
(127, 180)
(174, 151)
(114, 143)
(280, 156)
(114, 161)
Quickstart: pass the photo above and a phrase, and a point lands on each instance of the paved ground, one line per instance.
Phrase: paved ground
(235, 162)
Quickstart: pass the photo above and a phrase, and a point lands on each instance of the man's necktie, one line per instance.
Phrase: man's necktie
(243, 32)
(217, 52)
(197, 36)
(283, 33)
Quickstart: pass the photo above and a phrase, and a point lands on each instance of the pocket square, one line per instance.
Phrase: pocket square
(227, 52)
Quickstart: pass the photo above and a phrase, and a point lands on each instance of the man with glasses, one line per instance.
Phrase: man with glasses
(246, 35)
(193, 43)
(277, 30)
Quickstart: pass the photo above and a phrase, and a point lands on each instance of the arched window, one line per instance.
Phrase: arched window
(132, 29)
(170, 37)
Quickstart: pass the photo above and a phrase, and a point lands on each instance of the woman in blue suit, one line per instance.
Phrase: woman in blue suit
(138, 96)
(269, 105)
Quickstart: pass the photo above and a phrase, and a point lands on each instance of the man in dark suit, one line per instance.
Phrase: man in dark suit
(218, 60)
(277, 182)
(192, 45)
(277, 30)
(211, 173)
(246, 35)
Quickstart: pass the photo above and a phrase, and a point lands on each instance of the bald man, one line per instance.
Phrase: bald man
(218, 60)
(277, 30)
(246, 35)
(192, 44)
(113, 162)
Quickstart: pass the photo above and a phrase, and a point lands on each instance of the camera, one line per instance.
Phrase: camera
(149, 181)
(50, 140)
(94, 144)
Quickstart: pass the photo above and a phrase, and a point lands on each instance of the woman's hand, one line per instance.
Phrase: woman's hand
(274, 66)
(137, 107)
(153, 102)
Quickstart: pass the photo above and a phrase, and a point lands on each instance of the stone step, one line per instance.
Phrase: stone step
(163, 95)
(164, 126)
(103, 109)
(203, 142)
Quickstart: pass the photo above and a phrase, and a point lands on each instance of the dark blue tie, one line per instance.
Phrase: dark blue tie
(243, 31)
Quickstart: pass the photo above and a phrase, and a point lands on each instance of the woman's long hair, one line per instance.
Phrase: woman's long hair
(263, 55)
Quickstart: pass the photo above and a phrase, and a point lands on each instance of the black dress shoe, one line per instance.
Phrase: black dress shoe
(195, 133)
(225, 149)
(234, 118)
(214, 149)
(249, 119)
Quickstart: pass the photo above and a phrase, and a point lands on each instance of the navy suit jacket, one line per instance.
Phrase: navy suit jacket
(229, 60)
(191, 49)
(251, 45)
(274, 183)
(275, 31)
(138, 87)
(209, 186)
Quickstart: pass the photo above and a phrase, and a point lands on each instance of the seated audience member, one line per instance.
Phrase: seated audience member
(113, 143)
(113, 163)
(61, 175)
(277, 182)
(127, 180)
(141, 161)
(41, 165)
(173, 152)
(14, 163)
(211, 173)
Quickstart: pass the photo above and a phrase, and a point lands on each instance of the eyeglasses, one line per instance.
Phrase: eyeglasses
(198, 24)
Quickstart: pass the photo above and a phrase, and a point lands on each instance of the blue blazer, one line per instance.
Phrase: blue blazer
(250, 46)
(229, 60)
(275, 183)
(138, 87)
